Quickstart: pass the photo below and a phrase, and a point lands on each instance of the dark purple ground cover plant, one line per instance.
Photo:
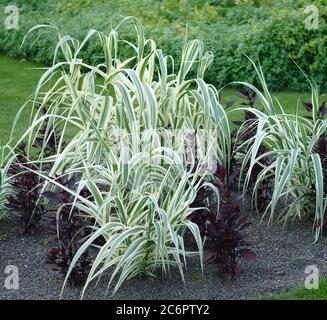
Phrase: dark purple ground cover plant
(24, 198)
(63, 221)
(26, 183)
(321, 149)
(67, 228)
(222, 225)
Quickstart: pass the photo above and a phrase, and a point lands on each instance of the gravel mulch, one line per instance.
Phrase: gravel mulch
(283, 257)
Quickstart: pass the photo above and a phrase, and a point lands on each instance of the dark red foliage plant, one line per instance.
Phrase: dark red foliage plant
(24, 199)
(26, 184)
(223, 227)
(321, 149)
(68, 229)
(321, 146)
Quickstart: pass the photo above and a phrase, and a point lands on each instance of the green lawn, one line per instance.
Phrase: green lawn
(291, 101)
(18, 80)
(301, 293)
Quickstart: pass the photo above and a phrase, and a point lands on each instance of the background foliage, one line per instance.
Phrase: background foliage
(272, 31)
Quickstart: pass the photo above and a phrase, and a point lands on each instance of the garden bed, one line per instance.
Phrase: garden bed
(282, 258)
(142, 164)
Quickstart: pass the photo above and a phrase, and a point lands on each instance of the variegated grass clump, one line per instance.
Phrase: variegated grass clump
(141, 187)
(295, 166)
(6, 158)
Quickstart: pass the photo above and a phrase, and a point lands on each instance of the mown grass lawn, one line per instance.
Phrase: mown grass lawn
(17, 82)
(290, 101)
(301, 293)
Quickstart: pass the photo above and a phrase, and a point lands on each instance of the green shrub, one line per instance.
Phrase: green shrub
(273, 32)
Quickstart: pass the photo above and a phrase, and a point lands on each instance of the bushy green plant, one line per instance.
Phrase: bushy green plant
(273, 31)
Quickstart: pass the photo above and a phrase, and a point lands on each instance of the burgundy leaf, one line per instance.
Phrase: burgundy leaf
(236, 269)
(247, 254)
(209, 255)
(53, 197)
(308, 106)
(221, 172)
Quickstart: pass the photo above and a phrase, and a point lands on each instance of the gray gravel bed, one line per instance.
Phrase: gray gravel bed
(283, 257)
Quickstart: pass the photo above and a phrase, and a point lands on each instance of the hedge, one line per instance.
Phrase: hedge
(272, 32)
